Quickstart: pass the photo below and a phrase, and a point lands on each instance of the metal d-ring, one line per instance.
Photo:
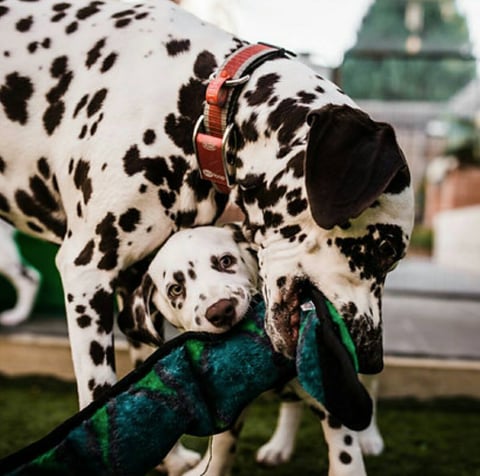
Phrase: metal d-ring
(231, 82)
(238, 81)
(229, 168)
(196, 130)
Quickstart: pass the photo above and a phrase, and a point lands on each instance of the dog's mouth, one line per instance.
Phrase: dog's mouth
(286, 324)
(286, 319)
(284, 327)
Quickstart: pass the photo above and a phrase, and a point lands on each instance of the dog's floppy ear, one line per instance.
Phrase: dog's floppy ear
(136, 319)
(351, 160)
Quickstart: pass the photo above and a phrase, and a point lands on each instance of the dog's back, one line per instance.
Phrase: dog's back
(86, 103)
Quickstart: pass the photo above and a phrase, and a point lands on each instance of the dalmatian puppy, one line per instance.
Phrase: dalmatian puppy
(203, 279)
(24, 278)
(98, 102)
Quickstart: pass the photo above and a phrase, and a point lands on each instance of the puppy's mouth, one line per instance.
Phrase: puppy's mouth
(285, 325)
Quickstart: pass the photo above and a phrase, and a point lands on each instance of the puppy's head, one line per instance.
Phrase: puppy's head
(202, 279)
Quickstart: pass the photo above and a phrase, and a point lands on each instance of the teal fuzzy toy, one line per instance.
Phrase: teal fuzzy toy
(198, 384)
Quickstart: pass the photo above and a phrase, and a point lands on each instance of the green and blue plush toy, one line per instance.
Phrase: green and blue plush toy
(198, 384)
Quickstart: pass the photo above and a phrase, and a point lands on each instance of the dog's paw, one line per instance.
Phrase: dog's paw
(179, 461)
(274, 453)
(371, 441)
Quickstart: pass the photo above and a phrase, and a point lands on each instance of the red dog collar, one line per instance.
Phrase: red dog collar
(214, 131)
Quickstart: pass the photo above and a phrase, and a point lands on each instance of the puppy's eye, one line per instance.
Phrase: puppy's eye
(174, 290)
(226, 261)
(223, 263)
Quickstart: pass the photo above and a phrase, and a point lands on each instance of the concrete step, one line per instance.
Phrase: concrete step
(420, 377)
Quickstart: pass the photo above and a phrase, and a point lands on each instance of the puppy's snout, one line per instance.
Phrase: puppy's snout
(222, 313)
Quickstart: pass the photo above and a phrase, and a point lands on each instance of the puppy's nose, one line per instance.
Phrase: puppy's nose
(221, 313)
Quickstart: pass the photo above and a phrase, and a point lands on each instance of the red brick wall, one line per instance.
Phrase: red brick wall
(460, 188)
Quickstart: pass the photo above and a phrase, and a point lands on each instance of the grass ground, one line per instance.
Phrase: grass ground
(433, 438)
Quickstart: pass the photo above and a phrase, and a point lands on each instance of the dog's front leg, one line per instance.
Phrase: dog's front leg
(371, 440)
(89, 307)
(344, 452)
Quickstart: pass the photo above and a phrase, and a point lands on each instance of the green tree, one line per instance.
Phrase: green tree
(379, 66)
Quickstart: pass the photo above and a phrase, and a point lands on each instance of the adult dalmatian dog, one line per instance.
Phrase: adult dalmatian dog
(203, 279)
(98, 103)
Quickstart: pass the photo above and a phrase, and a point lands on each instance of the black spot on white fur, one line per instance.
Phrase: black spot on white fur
(175, 47)
(14, 96)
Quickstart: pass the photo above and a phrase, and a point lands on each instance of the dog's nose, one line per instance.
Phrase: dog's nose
(221, 313)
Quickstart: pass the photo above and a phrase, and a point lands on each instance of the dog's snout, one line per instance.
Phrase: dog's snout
(221, 313)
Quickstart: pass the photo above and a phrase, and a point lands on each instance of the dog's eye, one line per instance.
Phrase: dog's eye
(386, 249)
(174, 290)
(388, 254)
(226, 261)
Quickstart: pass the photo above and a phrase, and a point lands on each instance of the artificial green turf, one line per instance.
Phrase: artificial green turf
(31, 407)
(434, 438)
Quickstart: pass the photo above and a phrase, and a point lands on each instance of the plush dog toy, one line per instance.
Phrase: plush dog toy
(198, 383)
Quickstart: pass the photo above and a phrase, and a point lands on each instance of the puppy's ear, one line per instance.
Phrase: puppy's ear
(351, 160)
(136, 320)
